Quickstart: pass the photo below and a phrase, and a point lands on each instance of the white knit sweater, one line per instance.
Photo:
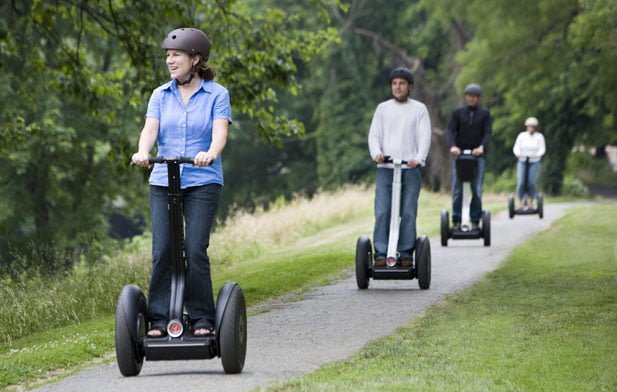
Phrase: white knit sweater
(401, 131)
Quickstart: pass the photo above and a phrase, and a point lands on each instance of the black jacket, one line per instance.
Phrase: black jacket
(470, 127)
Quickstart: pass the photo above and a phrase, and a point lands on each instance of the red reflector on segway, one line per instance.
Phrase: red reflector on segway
(391, 261)
(175, 328)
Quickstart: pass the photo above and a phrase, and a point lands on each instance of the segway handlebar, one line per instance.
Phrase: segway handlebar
(171, 159)
(388, 159)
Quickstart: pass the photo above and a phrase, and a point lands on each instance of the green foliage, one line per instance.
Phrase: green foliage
(502, 183)
(590, 169)
(544, 321)
(74, 84)
(572, 186)
(554, 60)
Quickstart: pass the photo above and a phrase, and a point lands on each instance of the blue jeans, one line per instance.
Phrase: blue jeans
(199, 205)
(410, 191)
(532, 179)
(475, 208)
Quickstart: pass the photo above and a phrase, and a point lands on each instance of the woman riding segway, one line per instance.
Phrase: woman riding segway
(188, 116)
(528, 149)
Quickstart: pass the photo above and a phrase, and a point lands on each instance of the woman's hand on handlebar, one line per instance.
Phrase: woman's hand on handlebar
(141, 159)
(204, 158)
(379, 158)
(455, 151)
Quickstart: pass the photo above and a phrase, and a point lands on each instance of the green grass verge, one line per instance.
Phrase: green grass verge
(546, 320)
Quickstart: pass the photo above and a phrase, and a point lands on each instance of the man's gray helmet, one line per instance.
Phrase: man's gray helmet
(473, 89)
(189, 40)
(401, 72)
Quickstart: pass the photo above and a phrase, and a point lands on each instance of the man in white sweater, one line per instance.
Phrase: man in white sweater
(400, 129)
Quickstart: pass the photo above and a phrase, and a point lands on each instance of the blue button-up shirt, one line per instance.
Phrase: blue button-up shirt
(187, 130)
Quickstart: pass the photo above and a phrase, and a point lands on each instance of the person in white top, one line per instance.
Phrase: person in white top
(529, 149)
(400, 129)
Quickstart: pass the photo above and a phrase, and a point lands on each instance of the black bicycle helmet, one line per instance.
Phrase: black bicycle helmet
(473, 89)
(401, 72)
(189, 40)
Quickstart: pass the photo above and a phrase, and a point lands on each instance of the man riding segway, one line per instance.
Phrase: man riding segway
(470, 128)
(400, 130)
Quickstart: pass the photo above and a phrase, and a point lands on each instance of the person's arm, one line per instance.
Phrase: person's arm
(487, 131)
(424, 138)
(542, 146)
(220, 129)
(452, 132)
(147, 138)
(517, 146)
(375, 136)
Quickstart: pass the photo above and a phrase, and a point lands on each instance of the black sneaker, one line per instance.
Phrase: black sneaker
(456, 226)
(475, 225)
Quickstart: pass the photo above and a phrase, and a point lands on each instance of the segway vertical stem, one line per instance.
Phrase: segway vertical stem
(395, 212)
(176, 225)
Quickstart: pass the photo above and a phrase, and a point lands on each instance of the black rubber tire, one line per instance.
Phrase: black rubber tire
(486, 227)
(445, 227)
(540, 204)
(423, 262)
(511, 206)
(364, 254)
(130, 327)
(232, 333)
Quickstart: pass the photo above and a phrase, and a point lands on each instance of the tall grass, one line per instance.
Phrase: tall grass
(89, 291)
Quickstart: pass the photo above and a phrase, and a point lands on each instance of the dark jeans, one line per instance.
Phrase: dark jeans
(475, 208)
(199, 206)
(410, 191)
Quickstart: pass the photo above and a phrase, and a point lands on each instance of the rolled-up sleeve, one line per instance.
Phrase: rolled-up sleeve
(154, 105)
(222, 106)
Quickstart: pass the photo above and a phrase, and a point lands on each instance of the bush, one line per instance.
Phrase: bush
(572, 186)
(503, 183)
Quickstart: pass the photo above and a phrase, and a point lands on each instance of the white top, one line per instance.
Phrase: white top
(529, 145)
(401, 130)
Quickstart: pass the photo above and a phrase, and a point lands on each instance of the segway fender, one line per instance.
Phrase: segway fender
(130, 301)
(221, 303)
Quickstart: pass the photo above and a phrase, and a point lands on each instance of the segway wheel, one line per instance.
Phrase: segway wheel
(511, 206)
(232, 332)
(423, 262)
(130, 329)
(445, 223)
(364, 254)
(540, 202)
(486, 227)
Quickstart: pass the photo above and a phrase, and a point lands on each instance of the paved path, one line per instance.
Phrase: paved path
(326, 324)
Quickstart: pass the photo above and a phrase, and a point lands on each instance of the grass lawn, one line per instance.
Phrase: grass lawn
(545, 321)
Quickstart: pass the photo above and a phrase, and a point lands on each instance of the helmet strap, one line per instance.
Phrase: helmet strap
(187, 81)
(190, 79)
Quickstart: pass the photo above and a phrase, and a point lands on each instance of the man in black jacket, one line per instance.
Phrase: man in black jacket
(470, 128)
